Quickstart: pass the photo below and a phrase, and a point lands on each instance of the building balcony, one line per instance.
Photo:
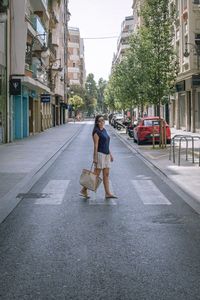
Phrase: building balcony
(40, 6)
(37, 25)
(40, 74)
(73, 70)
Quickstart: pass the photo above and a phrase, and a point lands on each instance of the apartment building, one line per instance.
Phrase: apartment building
(137, 19)
(34, 52)
(185, 105)
(122, 43)
(76, 61)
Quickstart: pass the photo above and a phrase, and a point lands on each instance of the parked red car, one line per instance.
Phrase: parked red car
(143, 132)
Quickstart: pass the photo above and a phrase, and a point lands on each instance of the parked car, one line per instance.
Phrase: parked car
(143, 132)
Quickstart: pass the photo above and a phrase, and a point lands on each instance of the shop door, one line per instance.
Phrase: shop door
(25, 117)
(189, 111)
(30, 115)
(1, 127)
(53, 116)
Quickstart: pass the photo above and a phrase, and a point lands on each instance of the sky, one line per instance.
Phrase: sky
(99, 18)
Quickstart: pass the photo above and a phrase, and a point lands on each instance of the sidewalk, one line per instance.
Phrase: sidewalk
(186, 176)
(24, 161)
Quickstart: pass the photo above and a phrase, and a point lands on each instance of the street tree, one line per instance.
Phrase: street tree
(78, 90)
(158, 21)
(91, 94)
(77, 103)
(109, 94)
(100, 95)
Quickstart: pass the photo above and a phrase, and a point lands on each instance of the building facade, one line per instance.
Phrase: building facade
(76, 61)
(3, 71)
(137, 19)
(35, 33)
(122, 43)
(185, 105)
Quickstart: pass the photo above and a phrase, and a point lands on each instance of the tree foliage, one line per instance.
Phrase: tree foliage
(76, 102)
(91, 94)
(100, 95)
(147, 72)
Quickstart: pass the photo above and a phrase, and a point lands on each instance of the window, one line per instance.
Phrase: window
(197, 38)
(74, 65)
(151, 123)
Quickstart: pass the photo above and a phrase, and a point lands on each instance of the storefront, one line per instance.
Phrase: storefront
(26, 113)
(46, 113)
(188, 104)
(180, 105)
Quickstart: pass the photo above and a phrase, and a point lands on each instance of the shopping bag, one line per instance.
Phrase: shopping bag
(90, 180)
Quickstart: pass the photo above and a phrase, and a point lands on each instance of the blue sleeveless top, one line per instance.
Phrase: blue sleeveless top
(104, 141)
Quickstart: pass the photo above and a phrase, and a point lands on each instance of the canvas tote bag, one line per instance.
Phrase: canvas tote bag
(90, 180)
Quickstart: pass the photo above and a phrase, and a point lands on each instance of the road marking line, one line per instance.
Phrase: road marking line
(149, 193)
(56, 190)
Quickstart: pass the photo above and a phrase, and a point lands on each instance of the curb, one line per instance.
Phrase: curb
(10, 200)
(188, 198)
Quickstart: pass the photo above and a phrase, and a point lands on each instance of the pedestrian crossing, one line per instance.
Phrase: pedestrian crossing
(148, 193)
(55, 189)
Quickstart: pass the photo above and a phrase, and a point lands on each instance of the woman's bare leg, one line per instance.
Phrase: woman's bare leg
(106, 172)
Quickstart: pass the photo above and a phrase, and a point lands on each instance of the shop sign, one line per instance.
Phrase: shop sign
(15, 87)
(45, 98)
(180, 86)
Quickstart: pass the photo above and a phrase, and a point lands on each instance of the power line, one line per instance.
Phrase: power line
(101, 37)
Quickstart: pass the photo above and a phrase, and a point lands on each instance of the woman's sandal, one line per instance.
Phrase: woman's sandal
(84, 195)
(111, 197)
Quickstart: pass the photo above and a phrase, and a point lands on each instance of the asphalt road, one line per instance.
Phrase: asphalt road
(144, 245)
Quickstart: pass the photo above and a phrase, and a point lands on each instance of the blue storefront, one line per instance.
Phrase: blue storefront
(21, 115)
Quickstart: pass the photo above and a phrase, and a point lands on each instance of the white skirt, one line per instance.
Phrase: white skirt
(103, 160)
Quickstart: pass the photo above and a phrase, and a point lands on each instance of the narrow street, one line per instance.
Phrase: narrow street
(143, 246)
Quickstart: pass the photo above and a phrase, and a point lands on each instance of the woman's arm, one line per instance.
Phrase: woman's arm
(96, 142)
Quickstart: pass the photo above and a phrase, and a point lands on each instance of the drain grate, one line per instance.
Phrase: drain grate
(32, 195)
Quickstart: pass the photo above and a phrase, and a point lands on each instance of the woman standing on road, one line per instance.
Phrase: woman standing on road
(102, 155)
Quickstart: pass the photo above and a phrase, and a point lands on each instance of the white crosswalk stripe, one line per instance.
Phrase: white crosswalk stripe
(149, 193)
(55, 189)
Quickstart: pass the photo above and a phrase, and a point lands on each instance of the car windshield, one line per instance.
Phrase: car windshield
(151, 123)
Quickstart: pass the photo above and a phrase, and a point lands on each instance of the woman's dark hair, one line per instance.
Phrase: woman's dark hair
(96, 124)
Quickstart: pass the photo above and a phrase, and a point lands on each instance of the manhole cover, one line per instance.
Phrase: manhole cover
(32, 195)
